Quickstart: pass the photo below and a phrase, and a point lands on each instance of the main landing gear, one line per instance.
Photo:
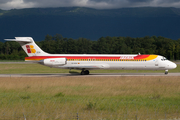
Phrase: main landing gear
(85, 72)
(166, 72)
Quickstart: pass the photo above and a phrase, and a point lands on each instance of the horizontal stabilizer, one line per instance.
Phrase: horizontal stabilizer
(20, 39)
(29, 46)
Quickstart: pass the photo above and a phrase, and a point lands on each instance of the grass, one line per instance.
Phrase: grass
(5, 61)
(36, 68)
(90, 97)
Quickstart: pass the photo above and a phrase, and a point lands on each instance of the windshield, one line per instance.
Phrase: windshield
(163, 59)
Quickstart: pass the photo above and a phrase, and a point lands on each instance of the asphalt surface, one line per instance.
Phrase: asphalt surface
(90, 75)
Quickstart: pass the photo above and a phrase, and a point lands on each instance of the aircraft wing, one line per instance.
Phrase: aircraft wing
(87, 67)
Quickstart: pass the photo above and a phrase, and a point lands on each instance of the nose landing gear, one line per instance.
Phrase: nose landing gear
(166, 72)
(85, 72)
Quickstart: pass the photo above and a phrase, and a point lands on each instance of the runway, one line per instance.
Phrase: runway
(90, 75)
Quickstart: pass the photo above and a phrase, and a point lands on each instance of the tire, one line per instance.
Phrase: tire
(87, 72)
(82, 72)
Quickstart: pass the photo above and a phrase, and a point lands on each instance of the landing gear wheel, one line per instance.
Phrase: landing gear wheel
(82, 73)
(86, 72)
(166, 72)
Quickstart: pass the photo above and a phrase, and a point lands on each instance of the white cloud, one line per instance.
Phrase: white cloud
(13, 4)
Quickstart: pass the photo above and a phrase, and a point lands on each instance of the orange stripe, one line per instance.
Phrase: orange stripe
(138, 57)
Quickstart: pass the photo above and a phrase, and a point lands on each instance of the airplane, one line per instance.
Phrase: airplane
(86, 62)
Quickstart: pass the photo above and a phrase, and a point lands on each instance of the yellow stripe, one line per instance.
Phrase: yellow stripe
(151, 57)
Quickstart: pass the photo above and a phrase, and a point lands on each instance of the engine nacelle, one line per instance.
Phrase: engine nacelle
(54, 61)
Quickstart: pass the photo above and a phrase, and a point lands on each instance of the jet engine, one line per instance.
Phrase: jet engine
(54, 61)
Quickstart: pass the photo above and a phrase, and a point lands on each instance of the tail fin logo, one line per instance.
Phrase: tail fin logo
(30, 49)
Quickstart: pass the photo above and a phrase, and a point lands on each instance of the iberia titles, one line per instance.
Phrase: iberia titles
(126, 57)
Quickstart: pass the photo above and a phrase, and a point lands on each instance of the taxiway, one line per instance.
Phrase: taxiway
(90, 75)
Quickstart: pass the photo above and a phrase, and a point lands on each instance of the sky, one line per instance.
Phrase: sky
(97, 4)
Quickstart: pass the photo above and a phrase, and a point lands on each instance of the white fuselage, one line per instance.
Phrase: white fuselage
(90, 62)
(155, 64)
(87, 62)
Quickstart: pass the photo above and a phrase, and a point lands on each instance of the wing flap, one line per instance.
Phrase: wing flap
(98, 66)
(80, 67)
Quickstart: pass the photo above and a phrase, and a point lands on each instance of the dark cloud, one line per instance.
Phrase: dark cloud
(134, 1)
(54, 3)
(99, 4)
(168, 1)
(5, 1)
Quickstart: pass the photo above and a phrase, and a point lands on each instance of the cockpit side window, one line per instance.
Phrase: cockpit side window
(163, 59)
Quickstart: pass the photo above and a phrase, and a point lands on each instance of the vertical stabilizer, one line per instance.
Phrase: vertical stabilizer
(29, 46)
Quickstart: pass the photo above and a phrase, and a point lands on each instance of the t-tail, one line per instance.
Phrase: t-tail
(29, 46)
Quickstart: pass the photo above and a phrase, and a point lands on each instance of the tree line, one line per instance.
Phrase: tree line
(57, 44)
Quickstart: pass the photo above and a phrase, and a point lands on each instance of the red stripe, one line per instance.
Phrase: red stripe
(82, 57)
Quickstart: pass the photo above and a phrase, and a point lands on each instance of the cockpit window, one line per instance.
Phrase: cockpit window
(163, 59)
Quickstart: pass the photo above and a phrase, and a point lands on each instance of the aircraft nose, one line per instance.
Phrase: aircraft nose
(172, 65)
